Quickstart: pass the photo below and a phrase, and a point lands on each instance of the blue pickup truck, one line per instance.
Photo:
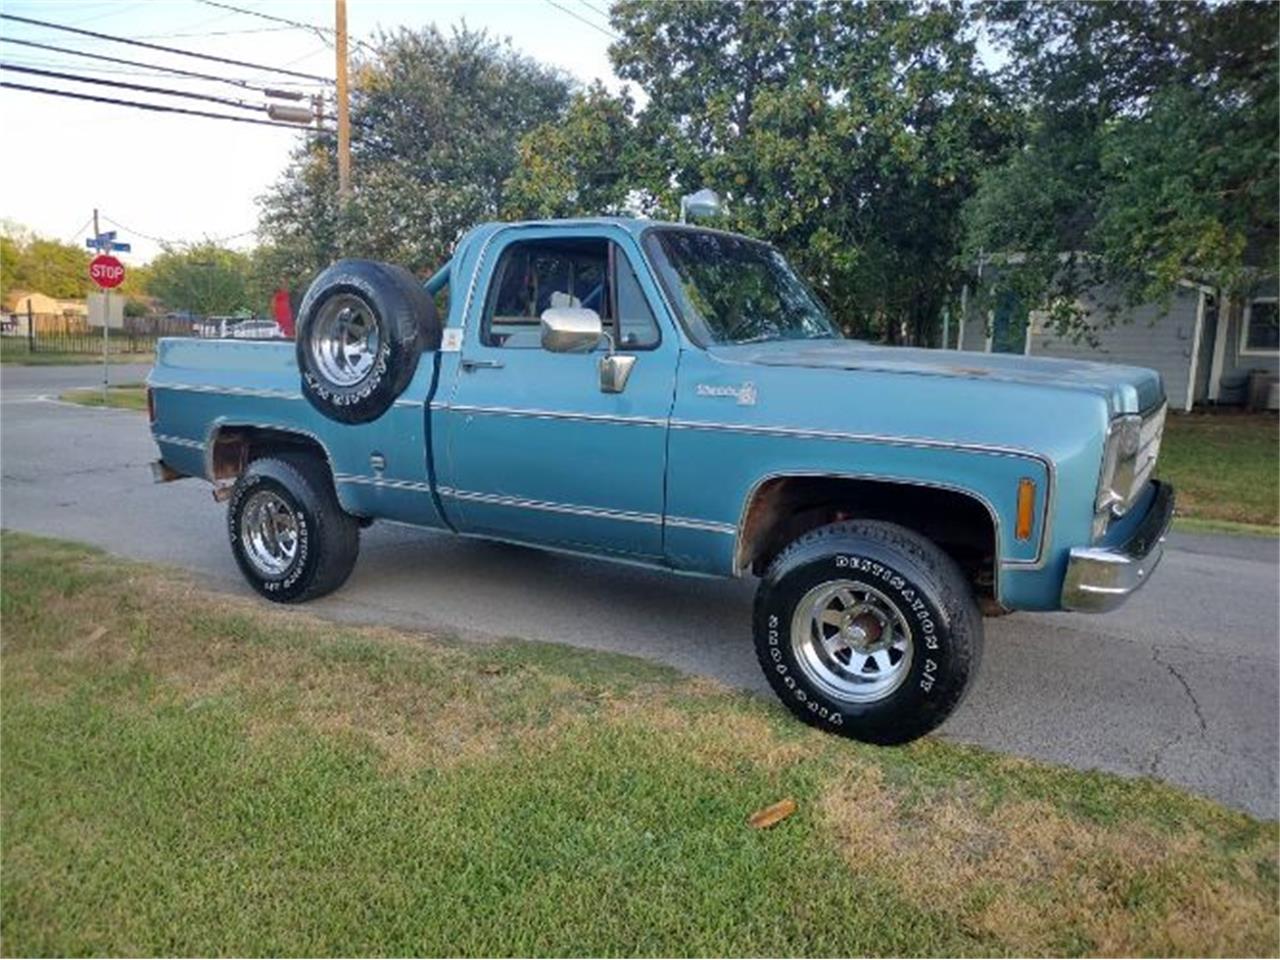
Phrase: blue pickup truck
(677, 397)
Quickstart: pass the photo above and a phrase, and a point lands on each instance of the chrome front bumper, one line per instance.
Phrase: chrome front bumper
(1101, 578)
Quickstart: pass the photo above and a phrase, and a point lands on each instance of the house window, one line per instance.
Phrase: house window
(1261, 328)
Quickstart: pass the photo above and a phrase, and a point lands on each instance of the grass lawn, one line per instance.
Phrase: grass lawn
(13, 350)
(130, 396)
(187, 773)
(1226, 468)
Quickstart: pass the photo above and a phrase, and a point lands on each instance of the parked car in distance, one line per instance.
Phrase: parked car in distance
(255, 329)
(676, 397)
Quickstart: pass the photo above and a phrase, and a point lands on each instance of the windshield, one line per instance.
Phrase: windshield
(729, 289)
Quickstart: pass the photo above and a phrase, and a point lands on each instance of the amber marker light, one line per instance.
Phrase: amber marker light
(1026, 508)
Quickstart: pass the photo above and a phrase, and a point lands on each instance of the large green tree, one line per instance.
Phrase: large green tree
(204, 278)
(848, 134)
(436, 122)
(1148, 155)
(31, 263)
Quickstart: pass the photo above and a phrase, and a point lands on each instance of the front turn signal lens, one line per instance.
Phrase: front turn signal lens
(1026, 509)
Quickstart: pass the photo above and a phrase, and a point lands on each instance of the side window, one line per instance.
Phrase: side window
(535, 275)
(637, 329)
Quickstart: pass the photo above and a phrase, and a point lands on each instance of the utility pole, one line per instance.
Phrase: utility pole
(344, 117)
(106, 316)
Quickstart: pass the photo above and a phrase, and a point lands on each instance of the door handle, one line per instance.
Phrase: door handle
(470, 365)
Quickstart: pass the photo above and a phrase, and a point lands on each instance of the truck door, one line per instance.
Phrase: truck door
(537, 452)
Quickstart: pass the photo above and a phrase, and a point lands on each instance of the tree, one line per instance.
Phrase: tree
(435, 125)
(32, 263)
(850, 135)
(1149, 155)
(584, 162)
(205, 279)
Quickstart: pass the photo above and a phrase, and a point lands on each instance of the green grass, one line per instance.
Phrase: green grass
(14, 350)
(129, 396)
(1226, 468)
(186, 773)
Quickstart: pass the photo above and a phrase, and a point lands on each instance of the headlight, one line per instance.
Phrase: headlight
(1128, 459)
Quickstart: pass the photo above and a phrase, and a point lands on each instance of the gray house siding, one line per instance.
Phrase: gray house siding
(1151, 335)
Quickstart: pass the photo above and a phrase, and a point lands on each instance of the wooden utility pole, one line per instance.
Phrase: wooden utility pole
(344, 117)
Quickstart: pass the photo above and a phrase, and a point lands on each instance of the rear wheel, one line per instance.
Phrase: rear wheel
(868, 630)
(290, 537)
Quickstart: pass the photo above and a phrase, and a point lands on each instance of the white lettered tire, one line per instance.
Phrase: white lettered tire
(867, 630)
(362, 328)
(290, 537)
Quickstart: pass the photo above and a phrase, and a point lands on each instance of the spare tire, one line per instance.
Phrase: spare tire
(361, 328)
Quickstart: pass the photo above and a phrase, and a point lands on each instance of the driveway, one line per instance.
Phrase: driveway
(1181, 683)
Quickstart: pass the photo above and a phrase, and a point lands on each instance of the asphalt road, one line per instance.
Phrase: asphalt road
(1183, 683)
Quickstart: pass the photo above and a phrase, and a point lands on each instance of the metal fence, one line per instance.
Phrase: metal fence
(70, 333)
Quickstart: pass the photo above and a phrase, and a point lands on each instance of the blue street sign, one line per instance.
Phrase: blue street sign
(108, 242)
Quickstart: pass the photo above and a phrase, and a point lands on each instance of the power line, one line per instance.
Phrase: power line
(163, 49)
(592, 6)
(176, 71)
(171, 243)
(298, 25)
(140, 87)
(209, 33)
(155, 107)
(80, 229)
(581, 19)
(28, 61)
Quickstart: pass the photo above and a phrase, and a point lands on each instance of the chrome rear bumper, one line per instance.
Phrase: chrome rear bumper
(1101, 578)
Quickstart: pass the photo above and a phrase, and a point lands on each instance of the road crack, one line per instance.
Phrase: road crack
(1182, 681)
(1157, 757)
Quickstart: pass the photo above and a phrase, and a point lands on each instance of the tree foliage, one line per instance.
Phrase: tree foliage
(850, 135)
(205, 279)
(35, 264)
(1149, 154)
(436, 121)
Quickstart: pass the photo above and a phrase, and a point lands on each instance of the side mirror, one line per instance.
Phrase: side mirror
(571, 330)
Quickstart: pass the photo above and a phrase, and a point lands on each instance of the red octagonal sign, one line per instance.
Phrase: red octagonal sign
(106, 271)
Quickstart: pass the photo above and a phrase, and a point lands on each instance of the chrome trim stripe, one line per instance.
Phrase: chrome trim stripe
(232, 391)
(386, 482)
(179, 441)
(705, 526)
(805, 433)
(499, 500)
(535, 414)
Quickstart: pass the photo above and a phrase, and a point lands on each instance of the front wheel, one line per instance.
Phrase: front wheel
(290, 537)
(867, 630)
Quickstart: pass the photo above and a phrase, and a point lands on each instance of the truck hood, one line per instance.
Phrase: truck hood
(1127, 389)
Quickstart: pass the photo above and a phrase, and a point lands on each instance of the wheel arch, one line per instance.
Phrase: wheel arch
(232, 445)
(782, 506)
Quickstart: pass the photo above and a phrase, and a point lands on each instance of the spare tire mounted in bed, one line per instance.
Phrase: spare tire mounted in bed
(361, 328)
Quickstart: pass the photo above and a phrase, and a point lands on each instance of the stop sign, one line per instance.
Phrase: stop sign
(106, 271)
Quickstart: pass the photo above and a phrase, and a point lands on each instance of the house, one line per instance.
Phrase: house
(24, 301)
(46, 311)
(1204, 345)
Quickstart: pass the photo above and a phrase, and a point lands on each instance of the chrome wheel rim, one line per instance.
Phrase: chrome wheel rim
(344, 340)
(851, 641)
(269, 533)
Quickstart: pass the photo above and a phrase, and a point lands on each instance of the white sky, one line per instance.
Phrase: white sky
(185, 178)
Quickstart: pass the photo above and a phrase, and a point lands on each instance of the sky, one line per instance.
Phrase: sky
(158, 177)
